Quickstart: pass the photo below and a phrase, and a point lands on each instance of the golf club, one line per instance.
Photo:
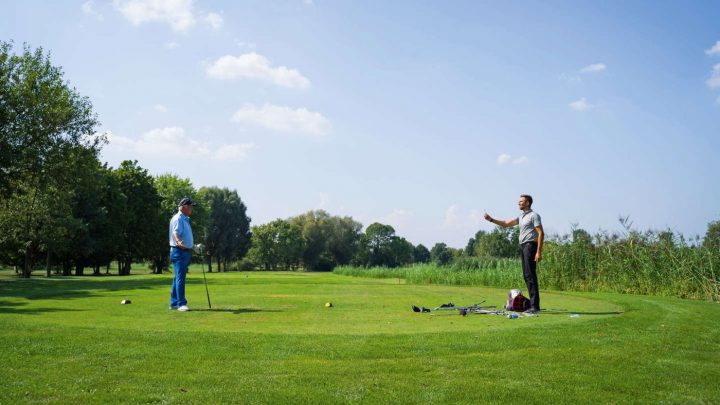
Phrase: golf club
(202, 261)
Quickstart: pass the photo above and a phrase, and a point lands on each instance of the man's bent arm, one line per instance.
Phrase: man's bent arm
(178, 241)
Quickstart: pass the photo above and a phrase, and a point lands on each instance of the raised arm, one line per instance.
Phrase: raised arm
(504, 224)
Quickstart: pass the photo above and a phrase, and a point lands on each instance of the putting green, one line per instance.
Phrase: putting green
(286, 303)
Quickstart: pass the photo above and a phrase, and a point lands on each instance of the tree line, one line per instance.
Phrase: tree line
(63, 209)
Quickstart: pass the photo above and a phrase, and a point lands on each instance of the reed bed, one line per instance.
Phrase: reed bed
(634, 264)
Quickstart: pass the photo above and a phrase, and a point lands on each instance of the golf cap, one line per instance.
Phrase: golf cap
(186, 201)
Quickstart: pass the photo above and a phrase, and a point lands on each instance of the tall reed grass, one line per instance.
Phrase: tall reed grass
(633, 264)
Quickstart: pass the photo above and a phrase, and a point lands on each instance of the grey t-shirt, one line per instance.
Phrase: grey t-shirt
(527, 222)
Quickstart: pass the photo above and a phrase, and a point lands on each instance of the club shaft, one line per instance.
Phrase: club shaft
(206, 289)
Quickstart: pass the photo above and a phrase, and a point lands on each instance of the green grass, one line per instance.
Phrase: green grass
(68, 340)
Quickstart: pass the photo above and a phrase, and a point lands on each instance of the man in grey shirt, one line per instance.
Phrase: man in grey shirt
(531, 241)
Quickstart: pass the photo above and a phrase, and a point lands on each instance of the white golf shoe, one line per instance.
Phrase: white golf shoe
(184, 308)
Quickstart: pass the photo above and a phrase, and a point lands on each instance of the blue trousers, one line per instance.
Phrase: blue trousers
(180, 260)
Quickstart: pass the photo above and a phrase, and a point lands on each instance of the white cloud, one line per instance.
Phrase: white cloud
(160, 108)
(89, 8)
(236, 151)
(243, 44)
(283, 119)
(596, 67)
(504, 158)
(172, 141)
(398, 218)
(172, 45)
(255, 66)
(714, 81)
(179, 14)
(324, 197)
(715, 50)
(580, 105)
(458, 218)
(215, 20)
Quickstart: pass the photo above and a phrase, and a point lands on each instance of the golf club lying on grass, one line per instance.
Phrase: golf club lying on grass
(464, 310)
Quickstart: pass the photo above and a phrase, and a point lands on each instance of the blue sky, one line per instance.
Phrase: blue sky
(419, 114)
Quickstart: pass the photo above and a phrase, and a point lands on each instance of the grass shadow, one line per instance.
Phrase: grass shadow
(550, 312)
(234, 311)
(14, 308)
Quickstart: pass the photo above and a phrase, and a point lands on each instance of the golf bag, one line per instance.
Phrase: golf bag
(516, 301)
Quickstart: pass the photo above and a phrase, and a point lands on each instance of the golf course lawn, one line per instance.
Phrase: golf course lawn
(270, 339)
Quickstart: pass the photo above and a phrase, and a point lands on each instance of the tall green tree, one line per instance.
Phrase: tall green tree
(375, 247)
(501, 242)
(227, 233)
(421, 254)
(473, 242)
(42, 119)
(441, 254)
(402, 252)
(140, 233)
(97, 206)
(277, 244)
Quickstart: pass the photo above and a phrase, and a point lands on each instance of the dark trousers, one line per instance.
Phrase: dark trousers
(529, 266)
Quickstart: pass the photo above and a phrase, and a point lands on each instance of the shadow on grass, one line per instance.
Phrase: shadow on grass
(551, 312)
(71, 288)
(14, 308)
(234, 311)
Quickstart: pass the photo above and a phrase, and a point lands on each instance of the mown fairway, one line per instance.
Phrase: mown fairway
(69, 340)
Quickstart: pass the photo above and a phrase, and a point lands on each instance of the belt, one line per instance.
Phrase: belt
(532, 241)
(177, 247)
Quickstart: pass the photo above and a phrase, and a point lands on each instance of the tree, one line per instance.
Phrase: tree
(97, 207)
(278, 243)
(227, 234)
(402, 252)
(712, 236)
(440, 254)
(41, 116)
(42, 119)
(342, 235)
(421, 254)
(140, 233)
(501, 242)
(375, 246)
(472, 243)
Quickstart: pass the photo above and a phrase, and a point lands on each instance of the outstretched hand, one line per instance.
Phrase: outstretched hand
(487, 217)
